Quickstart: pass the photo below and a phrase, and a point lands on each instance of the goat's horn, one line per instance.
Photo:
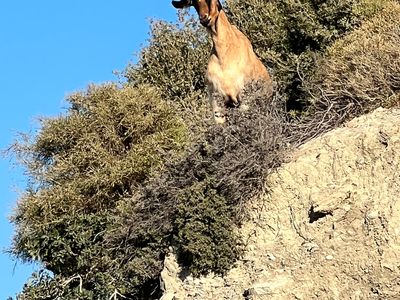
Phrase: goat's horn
(181, 3)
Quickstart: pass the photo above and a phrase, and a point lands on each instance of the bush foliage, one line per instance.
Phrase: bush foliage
(131, 171)
(287, 34)
(361, 71)
(82, 165)
(174, 62)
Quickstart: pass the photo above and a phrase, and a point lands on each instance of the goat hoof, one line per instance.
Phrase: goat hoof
(219, 117)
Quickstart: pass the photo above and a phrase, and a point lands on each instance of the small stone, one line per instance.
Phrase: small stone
(347, 207)
(311, 247)
(373, 215)
(329, 257)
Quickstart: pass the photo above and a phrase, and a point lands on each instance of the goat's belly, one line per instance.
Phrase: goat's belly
(226, 83)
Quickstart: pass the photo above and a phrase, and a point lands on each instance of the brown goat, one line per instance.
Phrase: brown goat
(233, 62)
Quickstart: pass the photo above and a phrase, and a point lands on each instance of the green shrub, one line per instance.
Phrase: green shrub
(81, 166)
(359, 72)
(204, 224)
(223, 171)
(174, 61)
(201, 197)
(288, 34)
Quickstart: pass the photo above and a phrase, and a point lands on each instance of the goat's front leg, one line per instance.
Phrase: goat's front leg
(235, 102)
(218, 114)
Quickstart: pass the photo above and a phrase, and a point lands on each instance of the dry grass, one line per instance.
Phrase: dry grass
(356, 74)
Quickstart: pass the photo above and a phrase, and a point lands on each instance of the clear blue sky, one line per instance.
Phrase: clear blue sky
(49, 49)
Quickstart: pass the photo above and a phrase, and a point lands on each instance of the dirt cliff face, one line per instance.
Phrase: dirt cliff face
(328, 229)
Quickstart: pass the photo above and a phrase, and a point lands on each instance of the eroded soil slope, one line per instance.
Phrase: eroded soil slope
(329, 229)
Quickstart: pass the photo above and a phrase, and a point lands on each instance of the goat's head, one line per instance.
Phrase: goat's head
(208, 10)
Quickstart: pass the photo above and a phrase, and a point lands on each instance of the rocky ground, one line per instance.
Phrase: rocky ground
(328, 229)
